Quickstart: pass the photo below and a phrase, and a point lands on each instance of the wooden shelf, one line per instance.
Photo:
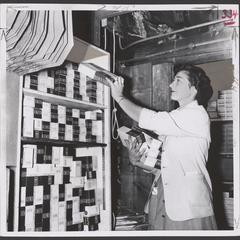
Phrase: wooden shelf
(52, 142)
(226, 154)
(227, 182)
(65, 101)
(221, 119)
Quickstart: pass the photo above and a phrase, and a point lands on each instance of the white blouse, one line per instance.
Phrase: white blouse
(186, 182)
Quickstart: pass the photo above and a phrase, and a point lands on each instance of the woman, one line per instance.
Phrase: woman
(181, 197)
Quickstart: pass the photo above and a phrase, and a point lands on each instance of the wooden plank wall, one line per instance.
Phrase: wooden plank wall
(135, 183)
(147, 85)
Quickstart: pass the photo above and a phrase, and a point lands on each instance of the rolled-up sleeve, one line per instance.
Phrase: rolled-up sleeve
(162, 123)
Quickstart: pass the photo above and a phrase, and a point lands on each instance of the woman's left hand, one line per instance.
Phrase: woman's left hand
(134, 151)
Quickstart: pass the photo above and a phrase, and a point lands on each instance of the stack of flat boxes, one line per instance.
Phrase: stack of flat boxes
(227, 138)
(43, 120)
(63, 194)
(151, 146)
(224, 104)
(61, 187)
(228, 208)
(94, 90)
(66, 81)
(212, 110)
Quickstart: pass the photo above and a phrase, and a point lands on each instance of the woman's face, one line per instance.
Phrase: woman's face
(181, 89)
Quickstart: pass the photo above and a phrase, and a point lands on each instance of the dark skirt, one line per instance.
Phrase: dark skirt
(159, 220)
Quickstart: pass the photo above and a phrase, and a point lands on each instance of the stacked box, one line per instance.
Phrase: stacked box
(60, 81)
(42, 83)
(43, 120)
(224, 104)
(59, 189)
(153, 157)
(31, 81)
(223, 136)
(77, 86)
(50, 81)
(150, 145)
(226, 145)
(91, 223)
(45, 130)
(228, 208)
(61, 131)
(212, 109)
(67, 80)
(39, 218)
(94, 90)
(22, 219)
(43, 154)
(60, 195)
(46, 112)
(94, 126)
(29, 155)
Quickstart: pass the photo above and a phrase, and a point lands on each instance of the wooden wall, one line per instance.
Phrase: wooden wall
(147, 85)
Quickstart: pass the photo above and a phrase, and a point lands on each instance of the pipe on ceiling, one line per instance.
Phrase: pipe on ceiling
(190, 46)
(172, 33)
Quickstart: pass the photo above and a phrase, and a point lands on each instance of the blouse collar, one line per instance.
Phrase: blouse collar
(194, 103)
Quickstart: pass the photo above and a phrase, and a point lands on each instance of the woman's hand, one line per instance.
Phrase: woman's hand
(134, 151)
(117, 88)
(135, 156)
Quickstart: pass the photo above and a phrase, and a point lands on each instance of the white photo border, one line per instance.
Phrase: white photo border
(124, 7)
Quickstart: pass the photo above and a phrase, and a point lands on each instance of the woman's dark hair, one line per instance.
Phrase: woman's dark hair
(199, 79)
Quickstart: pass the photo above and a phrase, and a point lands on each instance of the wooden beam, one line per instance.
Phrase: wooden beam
(209, 43)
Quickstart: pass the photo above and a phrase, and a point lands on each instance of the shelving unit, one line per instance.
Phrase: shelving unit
(221, 120)
(59, 100)
(81, 52)
(222, 172)
(52, 142)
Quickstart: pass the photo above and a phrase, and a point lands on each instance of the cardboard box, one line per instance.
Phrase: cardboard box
(53, 130)
(76, 169)
(76, 204)
(23, 197)
(62, 225)
(50, 82)
(123, 134)
(28, 101)
(38, 195)
(54, 189)
(77, 217)
(90, 184)
(29, 218)
(68, 191)
(61, 210)
(55, 155)
(91, 211)
(76, 113)
(58, 176)
(29, 155)
(77, 181)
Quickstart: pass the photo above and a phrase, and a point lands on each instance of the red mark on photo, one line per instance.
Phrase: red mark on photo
(230, 16)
